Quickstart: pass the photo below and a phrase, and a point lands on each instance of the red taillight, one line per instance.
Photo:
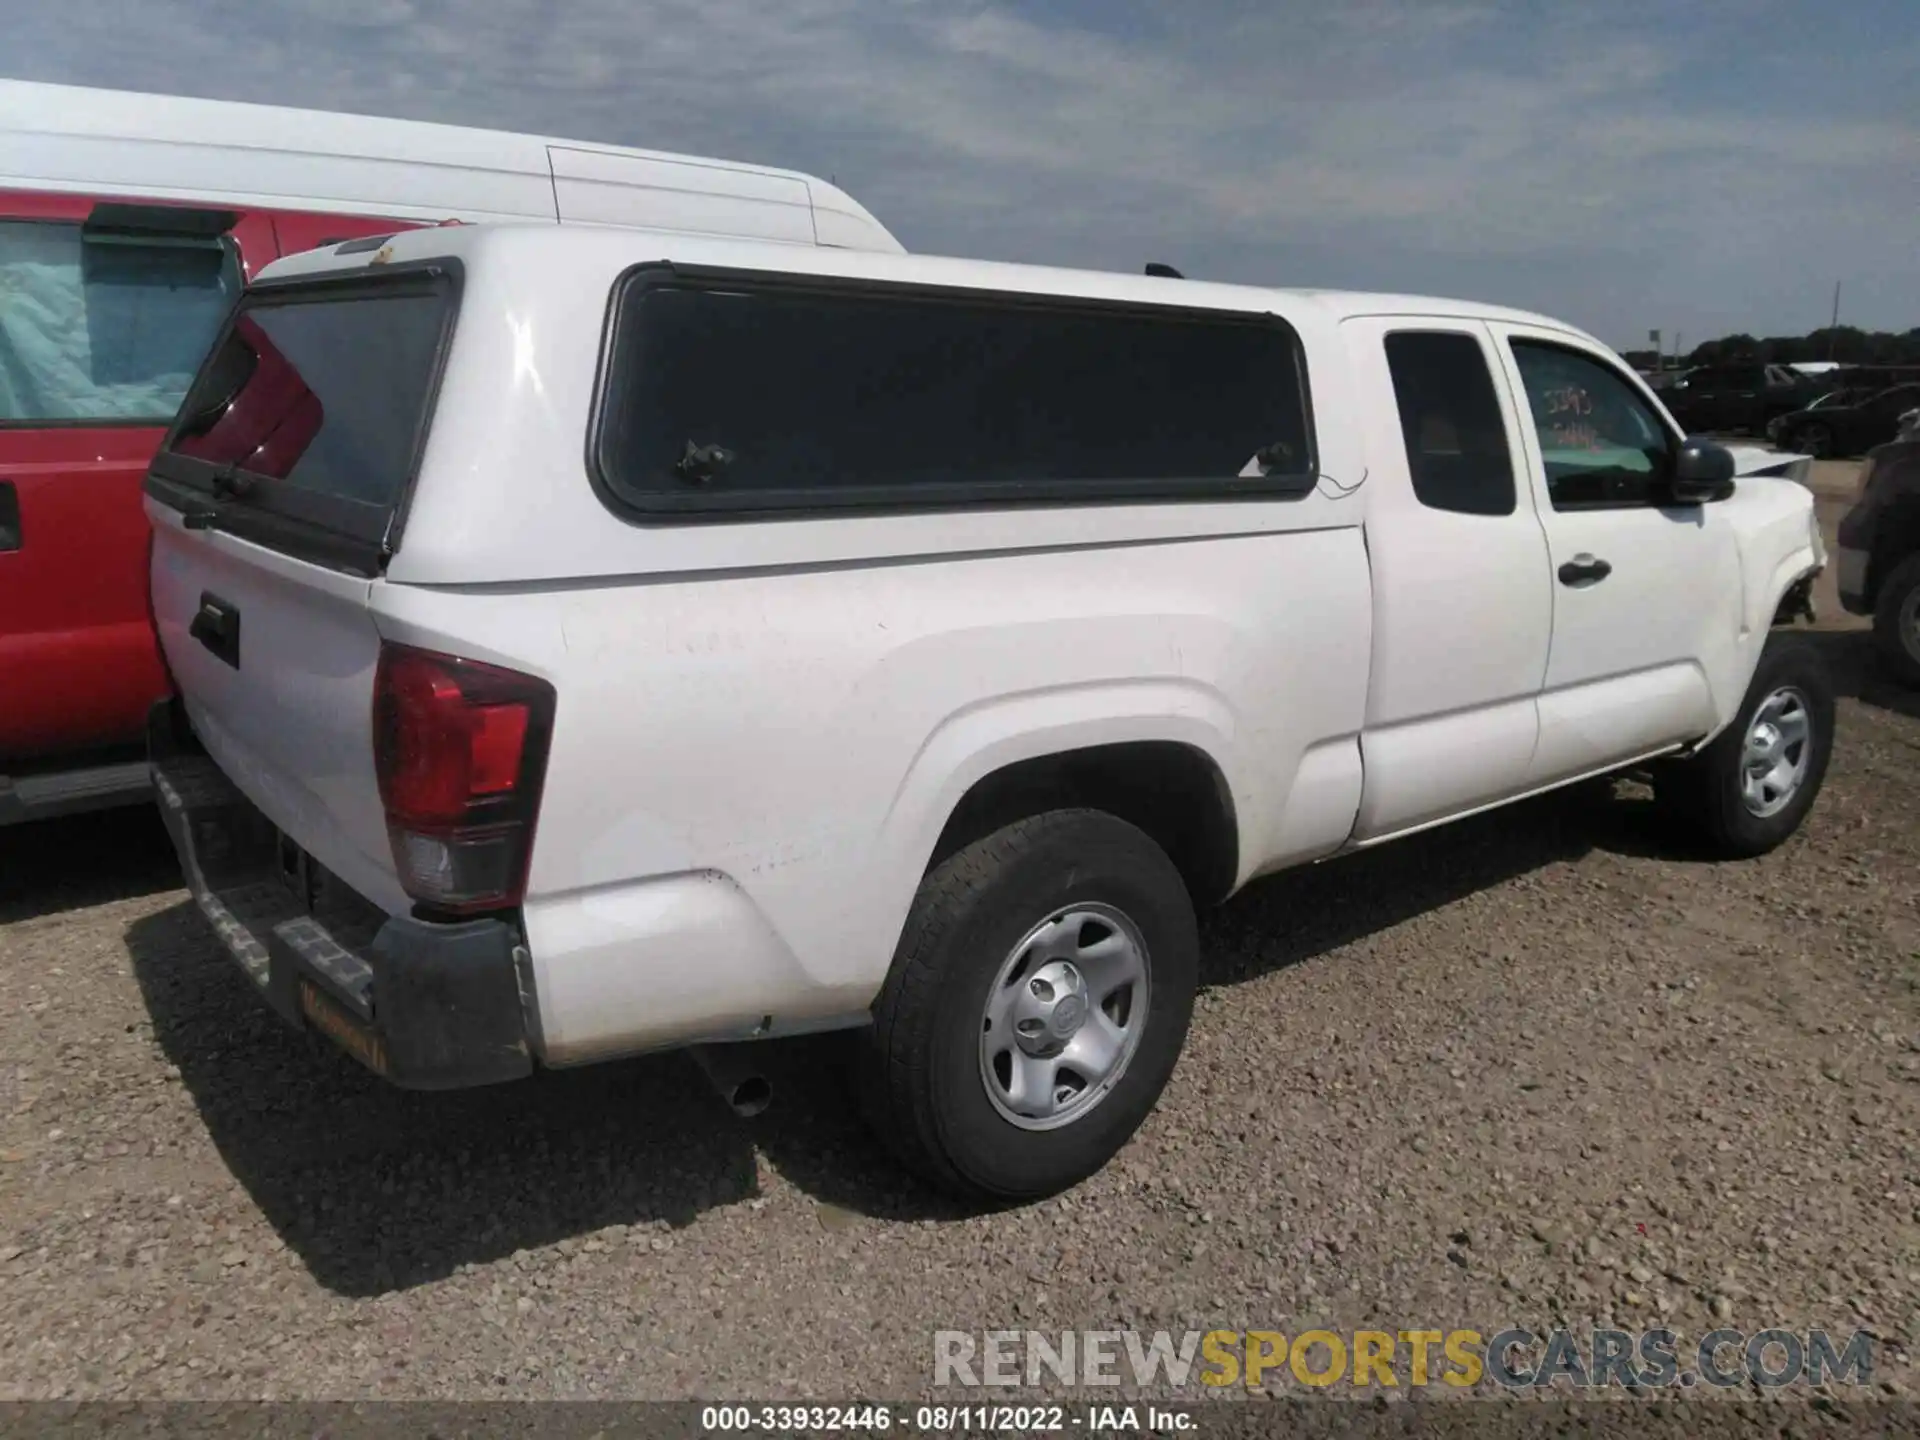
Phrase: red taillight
(460, 749)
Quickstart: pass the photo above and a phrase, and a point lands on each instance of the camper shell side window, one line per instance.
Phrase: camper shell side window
(725, 392)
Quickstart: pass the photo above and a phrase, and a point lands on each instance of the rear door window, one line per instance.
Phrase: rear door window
(1456, 441)
(105, 328)
(314, 405)
(732, 392)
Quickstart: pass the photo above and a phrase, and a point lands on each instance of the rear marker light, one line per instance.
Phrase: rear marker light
(460, 749)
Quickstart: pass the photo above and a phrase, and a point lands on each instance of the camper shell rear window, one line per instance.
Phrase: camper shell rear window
(726, 391)
(304, 426)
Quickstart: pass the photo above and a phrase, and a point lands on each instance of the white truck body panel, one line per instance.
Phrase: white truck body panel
(296, 738)
(1449, 726)
(764, 725)
(1631, 664)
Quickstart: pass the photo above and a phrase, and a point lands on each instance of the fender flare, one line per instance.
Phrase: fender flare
(973, 743)
(1799, 566)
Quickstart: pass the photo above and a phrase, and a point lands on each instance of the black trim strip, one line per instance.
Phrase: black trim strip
(361, 246)
(155, 422)
(199, 222)
(247, 521)
(647, 506)
(362, 519)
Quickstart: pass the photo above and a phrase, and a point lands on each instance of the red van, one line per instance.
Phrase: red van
(128, 225)
(106, 309)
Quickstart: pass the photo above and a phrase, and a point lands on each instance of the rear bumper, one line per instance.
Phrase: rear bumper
(426, 1006)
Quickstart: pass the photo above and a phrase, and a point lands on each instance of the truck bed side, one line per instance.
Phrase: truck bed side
(776, 755)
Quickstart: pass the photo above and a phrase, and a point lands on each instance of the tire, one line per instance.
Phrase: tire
(1815, 440)
(1707, 792)
(1896, 622)
(924, 1071)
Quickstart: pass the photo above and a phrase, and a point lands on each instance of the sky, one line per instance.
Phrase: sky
(1704, 167)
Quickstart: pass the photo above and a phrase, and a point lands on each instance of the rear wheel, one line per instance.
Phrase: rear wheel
(1748, 790)
(1896, 622)
(1036, 1006)
(1815, 439)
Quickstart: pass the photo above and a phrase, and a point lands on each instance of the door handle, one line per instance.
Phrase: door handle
(9, 516)
(216, 625)
(1584, 569)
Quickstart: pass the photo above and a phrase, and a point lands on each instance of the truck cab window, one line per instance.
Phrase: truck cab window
(1450, 419)
(105, 328)
(1601, 443)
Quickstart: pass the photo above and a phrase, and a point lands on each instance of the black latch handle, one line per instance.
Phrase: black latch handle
(1583, 570)
(216, 625)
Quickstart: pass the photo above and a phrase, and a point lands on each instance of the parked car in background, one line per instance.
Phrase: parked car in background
(128, 224)
(903, 645)
(1845, 422)
(1879, 554)
(1736, 399)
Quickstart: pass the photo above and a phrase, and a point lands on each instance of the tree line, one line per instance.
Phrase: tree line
(1847, 344)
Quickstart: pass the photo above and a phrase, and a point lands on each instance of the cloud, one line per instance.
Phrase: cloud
(1610, 164)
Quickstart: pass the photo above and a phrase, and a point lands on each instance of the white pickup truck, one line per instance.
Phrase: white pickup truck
(591, 642)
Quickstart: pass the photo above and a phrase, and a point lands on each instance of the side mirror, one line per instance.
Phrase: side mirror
(1702, 471)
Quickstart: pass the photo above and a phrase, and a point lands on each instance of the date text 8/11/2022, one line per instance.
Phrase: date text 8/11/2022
(942, 1419)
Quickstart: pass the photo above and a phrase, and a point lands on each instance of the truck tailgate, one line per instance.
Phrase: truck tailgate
(273, 500)
(274, 658)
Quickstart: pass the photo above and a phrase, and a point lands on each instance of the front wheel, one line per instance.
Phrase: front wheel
(1748, 790)
(1896, 622)
(1036, 1006)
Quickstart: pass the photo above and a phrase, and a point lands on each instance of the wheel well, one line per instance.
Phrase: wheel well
(1796, 601)
(1173, 792)
(1897, 537)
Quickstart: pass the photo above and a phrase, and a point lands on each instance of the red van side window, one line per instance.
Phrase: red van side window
(105, 327)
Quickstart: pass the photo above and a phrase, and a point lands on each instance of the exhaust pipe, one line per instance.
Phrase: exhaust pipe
(736, 1077)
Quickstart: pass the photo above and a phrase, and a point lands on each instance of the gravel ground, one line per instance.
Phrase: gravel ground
(1538, 1068)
